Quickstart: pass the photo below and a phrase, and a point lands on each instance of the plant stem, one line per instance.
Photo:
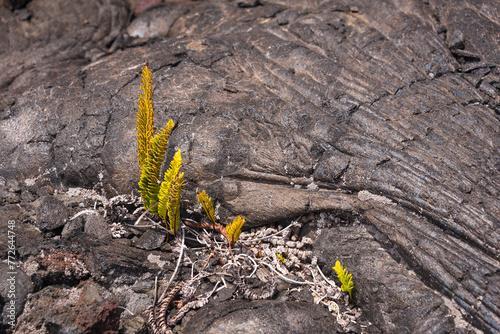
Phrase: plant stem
(142, 216)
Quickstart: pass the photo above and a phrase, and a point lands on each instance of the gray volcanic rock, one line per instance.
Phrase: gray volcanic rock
(51, 214)
(71, 310)
(15, 286)
(383, 111)
(390, 294)
(97, 227)
(150, 240)
(264, 316)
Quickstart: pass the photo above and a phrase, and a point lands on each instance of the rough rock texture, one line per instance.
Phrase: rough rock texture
(96, 226)
(269, 316)
(73, 310)
(17, 283)
(383, 110)
(150, 240)
(51, 214)
(381, 280)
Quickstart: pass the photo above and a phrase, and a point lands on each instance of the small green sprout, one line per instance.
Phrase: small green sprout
(233, 230)
(282, 259)
(345, 278)
(206, 202)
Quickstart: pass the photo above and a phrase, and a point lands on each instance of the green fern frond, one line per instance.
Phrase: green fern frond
(345, 278)
(282, 259)
(233, 230)
(174, 203)
(145, 117)
(173, 170)
(206, 202)
(150, 173)
(152, 146)
(166, 185)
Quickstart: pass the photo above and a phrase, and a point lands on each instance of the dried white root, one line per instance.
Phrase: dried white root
(264, 245)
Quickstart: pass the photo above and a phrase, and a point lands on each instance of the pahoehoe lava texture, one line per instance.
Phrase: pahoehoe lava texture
(386, 110)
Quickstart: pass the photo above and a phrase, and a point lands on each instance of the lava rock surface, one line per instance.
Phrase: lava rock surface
(381, 112)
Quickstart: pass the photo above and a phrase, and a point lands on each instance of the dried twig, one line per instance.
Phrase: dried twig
(162, 312)
(285, 278)
(157, 322)
(84, 212)
(196, 303)
(176, 267)
(145, 212)
(249, 294)
(208, 226)
(255, 265)
(294, 223)
(326, 279)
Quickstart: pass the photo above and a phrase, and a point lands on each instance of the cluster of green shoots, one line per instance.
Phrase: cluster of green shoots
(164, 198)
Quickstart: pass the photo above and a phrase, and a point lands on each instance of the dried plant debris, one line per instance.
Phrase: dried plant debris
(254, 270)
(255, 264)
(123, 209)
